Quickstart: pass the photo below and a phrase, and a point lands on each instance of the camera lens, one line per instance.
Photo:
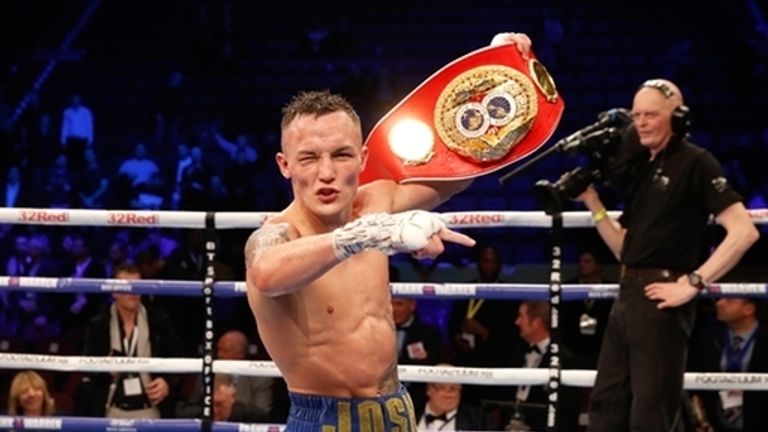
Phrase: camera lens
(552, 196)
(575, 182)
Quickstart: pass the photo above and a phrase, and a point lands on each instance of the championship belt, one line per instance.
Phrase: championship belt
(480, 113)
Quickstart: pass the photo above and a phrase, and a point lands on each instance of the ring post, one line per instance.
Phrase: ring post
(208, 285)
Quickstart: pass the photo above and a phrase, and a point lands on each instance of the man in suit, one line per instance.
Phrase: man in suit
(445, 410)
(251, 392)
(417, 342)
(583, 322)
(736, 343)
(530, 411)
(226, 407)
(479, 328)
(76, 310)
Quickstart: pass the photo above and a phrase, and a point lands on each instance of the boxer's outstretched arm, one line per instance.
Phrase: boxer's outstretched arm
(279, 262)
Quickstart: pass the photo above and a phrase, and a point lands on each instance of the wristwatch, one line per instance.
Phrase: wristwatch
(695, 279)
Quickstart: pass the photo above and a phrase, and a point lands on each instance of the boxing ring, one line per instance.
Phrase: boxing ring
(209, 288)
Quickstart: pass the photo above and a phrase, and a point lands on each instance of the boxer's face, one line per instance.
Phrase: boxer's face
(323, 157)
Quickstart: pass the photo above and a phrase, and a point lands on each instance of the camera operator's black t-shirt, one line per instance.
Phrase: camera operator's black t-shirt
(668, 205)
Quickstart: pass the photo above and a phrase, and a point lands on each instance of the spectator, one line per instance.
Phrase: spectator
(92, 183)
(18, 263)
(140, 168)
(736, 343)
(40, 261)
(77, 309)
(29, 396)
(9, 321)
(36, 309)
(194, 181)
(119, 253)
(583, 322)
(218, 195)
(150, 263)
(226, 407)
(445, 409)
(15, 264)
(129, 329)
(16, 191)
(58, 184)
(82, 264)
(479, 328)
(44, 144)
(183, 160)
(187, 262)
(241, 144)
(530, 413)
(253, 395)
(150, 195)
(166, 242)
(76, 131)
(249, 183)
(417, 342)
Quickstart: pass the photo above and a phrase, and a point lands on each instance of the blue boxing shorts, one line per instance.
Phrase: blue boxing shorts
(313, 413)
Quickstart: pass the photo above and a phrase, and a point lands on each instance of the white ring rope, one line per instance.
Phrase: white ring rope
(464, 375)
(231, 220)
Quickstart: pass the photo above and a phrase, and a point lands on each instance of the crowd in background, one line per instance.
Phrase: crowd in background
(170, 148)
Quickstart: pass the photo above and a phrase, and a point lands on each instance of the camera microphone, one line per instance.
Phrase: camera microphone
(592, 142)
(619, 117)
(603, 136)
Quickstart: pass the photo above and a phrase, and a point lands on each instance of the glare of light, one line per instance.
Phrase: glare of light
(411, 140)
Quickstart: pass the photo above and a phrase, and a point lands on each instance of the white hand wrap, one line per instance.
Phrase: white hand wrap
(389, 233)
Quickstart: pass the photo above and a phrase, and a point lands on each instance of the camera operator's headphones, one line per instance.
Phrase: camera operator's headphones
(681, 115)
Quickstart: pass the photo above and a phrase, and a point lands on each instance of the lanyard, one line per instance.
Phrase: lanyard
(734, 361)
(473, 307)
(129, 344)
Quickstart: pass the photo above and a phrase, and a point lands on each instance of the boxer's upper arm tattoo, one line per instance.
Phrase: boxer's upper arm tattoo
(263, 238)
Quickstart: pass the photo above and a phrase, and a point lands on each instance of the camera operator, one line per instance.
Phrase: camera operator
(659, 240)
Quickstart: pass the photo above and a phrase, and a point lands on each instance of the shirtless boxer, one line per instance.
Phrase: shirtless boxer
(317, 273)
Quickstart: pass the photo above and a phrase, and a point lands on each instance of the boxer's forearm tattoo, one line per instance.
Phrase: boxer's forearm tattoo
(390, 382)
(263, 238)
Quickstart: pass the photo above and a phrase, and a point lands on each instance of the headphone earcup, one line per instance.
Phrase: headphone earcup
(681, 121)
